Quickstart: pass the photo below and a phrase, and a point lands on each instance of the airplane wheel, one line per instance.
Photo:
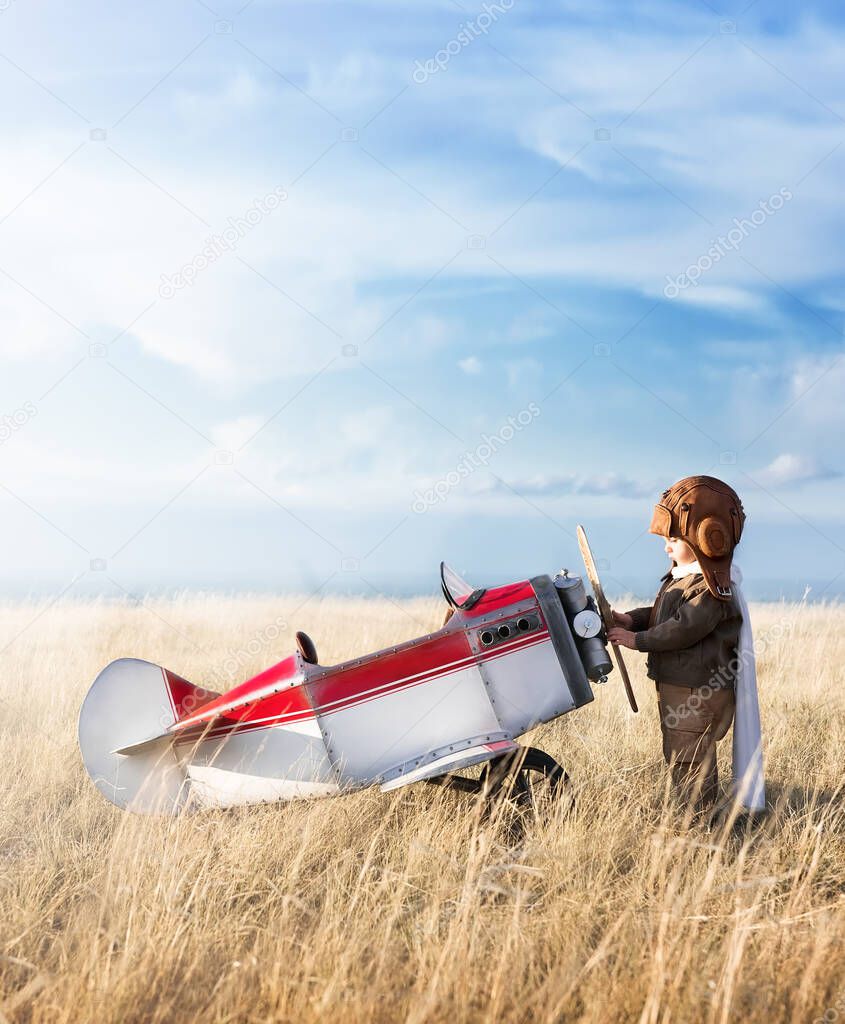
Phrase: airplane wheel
(526, 777)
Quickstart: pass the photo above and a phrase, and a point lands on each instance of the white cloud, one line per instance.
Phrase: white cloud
(240, 92)
(232, 434)
(722, 297)
(789, 469)
(529, 327)
(368, 428)
(787, 398)
(471, 365)
(112, 233)
(553, 486)
(522, 371)
(816, 386)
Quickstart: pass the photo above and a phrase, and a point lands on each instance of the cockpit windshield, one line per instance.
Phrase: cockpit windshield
(456, 590)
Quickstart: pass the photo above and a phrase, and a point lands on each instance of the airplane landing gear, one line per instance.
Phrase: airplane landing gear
(525, 778)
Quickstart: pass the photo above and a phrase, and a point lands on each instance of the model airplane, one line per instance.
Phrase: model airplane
(508, 658)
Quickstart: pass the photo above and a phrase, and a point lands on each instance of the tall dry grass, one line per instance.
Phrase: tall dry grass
(414, 905)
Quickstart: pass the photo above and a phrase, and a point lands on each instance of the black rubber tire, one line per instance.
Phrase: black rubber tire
(519, 776)
(516, 776)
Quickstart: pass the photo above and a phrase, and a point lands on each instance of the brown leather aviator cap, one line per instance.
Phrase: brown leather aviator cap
(708, 515)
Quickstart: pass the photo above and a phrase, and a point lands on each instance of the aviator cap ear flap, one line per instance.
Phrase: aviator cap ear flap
(712, 539)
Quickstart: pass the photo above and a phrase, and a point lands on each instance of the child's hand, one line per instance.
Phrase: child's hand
(622, 637)
(623, 619)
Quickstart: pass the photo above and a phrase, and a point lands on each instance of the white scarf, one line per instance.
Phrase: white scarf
(749, 785)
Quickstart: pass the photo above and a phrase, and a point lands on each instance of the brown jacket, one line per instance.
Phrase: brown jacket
(691, 637)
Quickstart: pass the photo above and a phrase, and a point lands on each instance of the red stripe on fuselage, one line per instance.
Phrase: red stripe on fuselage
(292, 705)
(426, 658)
(284, 671)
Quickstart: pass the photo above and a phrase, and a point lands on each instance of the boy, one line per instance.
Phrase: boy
(691, 632)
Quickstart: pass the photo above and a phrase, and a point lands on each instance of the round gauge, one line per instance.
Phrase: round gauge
(587, 623)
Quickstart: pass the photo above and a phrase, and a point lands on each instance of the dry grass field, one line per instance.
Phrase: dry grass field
(413, 906)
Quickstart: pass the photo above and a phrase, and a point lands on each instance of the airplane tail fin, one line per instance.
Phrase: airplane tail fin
(124, 734)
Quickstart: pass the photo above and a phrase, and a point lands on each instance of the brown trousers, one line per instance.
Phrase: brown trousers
(692, 721)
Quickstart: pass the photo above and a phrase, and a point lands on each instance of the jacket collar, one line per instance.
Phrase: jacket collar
(678, 572)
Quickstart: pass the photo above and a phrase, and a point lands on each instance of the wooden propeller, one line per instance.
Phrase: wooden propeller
(604, 611)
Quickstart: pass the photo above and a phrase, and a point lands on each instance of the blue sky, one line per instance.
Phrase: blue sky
(269, 273)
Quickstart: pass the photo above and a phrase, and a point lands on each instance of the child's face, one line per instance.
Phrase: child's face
(679, 550)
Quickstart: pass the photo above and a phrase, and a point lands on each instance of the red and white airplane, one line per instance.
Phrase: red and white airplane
(508, 659)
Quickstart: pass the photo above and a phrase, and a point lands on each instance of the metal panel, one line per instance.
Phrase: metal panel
(527, 686)
(279, 752)
(370, 738)
(457, 753)
(216, 787)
